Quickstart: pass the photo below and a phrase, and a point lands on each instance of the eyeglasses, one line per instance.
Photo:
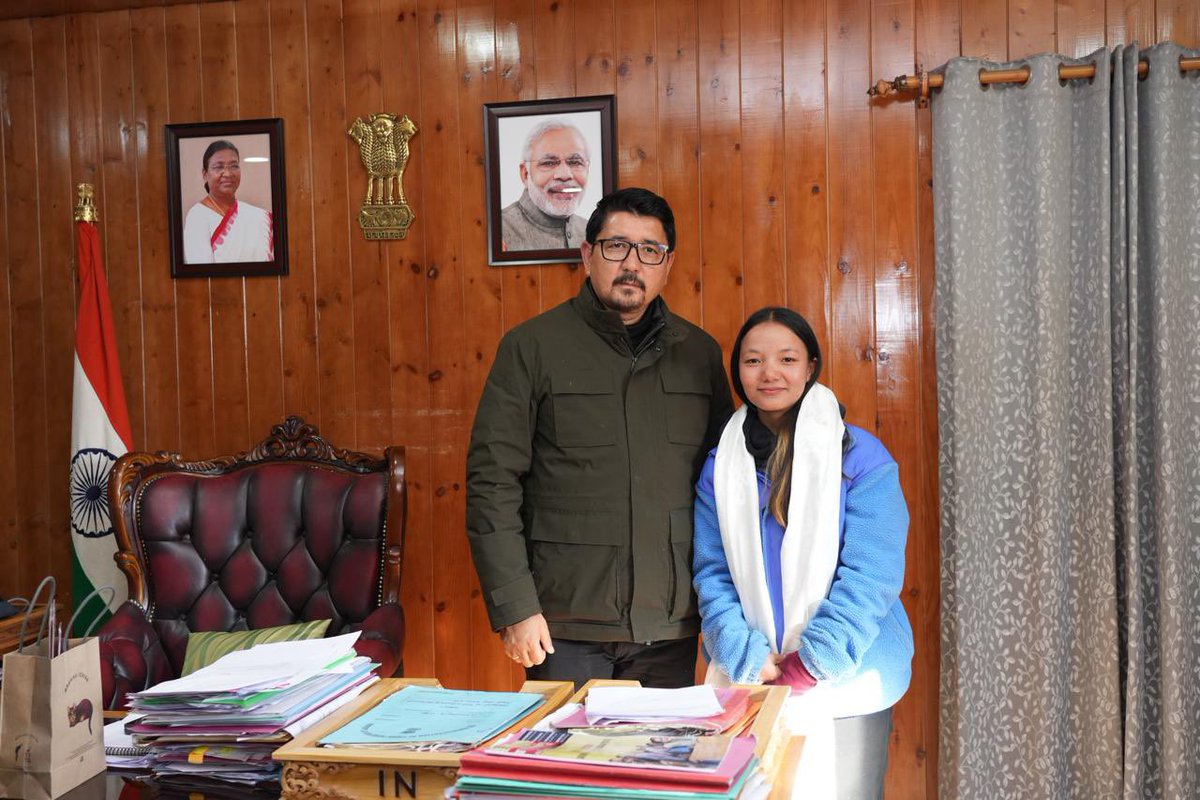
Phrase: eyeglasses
(551, 163)
(221, 166)
(648, 253)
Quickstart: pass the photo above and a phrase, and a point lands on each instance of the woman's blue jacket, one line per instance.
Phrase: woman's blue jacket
(859, 639)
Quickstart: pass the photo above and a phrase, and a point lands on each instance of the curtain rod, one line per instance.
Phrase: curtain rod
(927, 81)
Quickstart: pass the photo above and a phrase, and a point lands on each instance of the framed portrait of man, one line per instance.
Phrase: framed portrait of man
(226, 198)
(548, 164)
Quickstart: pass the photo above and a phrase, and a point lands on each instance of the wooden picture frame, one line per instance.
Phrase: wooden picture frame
(227, 206)
(548, 162)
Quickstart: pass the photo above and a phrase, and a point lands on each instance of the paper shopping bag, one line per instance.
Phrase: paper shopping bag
(51, 718)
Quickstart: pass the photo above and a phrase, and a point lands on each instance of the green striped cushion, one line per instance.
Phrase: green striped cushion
(205, 647)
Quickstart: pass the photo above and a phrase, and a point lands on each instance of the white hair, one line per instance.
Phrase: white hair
(544, 127)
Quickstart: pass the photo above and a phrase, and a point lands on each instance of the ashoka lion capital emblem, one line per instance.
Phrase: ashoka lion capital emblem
(383, 145)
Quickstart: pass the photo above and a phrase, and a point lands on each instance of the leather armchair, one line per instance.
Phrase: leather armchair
(293, 530)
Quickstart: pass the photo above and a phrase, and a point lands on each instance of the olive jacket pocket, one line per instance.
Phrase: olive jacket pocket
(687, 395)
(574, 556)
(584, 409)
(683, 597)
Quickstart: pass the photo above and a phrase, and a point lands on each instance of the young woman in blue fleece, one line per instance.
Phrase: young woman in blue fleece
(800, 527)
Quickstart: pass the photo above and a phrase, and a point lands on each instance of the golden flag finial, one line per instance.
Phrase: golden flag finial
(85, 209)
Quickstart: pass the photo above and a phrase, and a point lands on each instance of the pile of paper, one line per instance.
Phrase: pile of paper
(656, 711)
(220, 724)
(623, 745)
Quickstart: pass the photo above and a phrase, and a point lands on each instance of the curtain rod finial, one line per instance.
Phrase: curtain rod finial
(881, 88)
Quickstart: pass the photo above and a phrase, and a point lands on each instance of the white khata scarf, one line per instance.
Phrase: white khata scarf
(808, 558)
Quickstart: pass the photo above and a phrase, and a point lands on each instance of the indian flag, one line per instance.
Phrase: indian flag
(100, 434)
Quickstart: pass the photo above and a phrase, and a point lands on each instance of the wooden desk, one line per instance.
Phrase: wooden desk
(349, 773)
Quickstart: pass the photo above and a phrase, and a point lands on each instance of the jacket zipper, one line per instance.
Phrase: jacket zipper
(649, 340)
(651, 337)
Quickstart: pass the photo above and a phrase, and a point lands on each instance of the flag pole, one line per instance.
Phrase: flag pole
(100, 430)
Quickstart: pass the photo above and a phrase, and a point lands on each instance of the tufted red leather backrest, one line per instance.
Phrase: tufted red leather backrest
(291, 531)
(270, 544)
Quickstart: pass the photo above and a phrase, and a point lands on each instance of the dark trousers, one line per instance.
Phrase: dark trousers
(860, 752)
(668, 664)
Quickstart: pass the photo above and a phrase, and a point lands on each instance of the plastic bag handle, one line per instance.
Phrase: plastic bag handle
(97, 592)
(32, 604)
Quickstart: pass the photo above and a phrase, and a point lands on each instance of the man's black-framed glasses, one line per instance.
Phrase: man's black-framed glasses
(649, 253)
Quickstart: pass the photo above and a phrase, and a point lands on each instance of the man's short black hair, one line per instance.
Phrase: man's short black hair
(637, 201)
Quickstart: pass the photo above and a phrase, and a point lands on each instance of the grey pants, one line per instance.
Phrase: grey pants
(860, 750)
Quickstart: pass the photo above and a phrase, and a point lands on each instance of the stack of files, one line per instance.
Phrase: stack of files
(120, 753)
(221, 723)
(434, 720)
(563, 764)
(628, 712)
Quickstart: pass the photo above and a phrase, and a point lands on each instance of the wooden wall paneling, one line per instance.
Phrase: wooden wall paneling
(1030, 28)
(1179, 22)
(806, 186)
(193, 309)
(851, 351)
(152, 111)
(516, 65)
(1129, 21)
(263, 311)
(898, 361)
(331, 223)
(12, 552)
(56, 199)
(481, 291)
(762, 148)
(407, 302)
(363, 45)
(83, 102)
(16, 130)
(441, 154)
(985, 29)
(1080, 27)
(937, 41)
(720, 170)
(219, 100)
(120, 205)
(554, 46)
(637, 72)
(591, 45)
(298, 302)
(595, 41)
(677, 33)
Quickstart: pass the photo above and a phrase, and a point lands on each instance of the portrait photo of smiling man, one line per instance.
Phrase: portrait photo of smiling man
(550, 162)
(554, 173)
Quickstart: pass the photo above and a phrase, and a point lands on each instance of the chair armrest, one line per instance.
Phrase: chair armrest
(131, 656)
(382, 639)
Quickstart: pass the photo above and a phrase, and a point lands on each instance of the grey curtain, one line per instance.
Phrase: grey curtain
(1067, 223)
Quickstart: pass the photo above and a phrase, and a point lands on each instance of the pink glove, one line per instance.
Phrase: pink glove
(793, 673)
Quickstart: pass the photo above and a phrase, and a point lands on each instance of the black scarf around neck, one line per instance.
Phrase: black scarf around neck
(760, 440)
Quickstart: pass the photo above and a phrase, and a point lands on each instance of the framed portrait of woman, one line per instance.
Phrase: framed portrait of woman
(226, 198)
(548, 163)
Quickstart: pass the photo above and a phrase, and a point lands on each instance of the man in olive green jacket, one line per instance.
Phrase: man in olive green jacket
(589, 436)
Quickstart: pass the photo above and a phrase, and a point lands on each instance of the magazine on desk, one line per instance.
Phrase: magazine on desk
(703, 753)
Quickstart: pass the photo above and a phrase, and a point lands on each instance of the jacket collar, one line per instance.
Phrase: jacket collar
(608, 324)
